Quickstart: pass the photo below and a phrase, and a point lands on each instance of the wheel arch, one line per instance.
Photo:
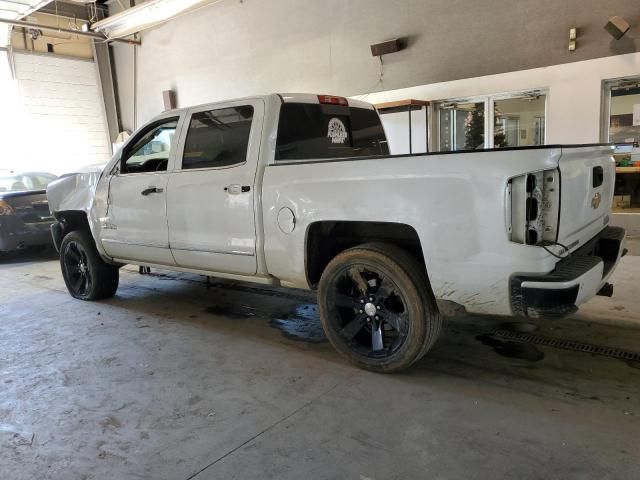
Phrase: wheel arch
(325, 239)
(68, 221)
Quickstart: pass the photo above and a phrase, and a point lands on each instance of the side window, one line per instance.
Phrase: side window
(150, 151)
(218, 138)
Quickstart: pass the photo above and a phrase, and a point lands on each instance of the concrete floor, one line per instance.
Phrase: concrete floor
(169, 380)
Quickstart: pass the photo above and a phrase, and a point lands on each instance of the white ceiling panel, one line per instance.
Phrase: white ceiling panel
(16, 10)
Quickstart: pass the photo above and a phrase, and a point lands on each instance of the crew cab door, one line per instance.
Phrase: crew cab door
(135, 227)
(210, 200)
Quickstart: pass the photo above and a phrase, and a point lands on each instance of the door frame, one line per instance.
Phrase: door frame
(605, 102)
(254, 149)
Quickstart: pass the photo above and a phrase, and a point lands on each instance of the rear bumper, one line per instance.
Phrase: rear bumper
(574, 281)
(16, 235)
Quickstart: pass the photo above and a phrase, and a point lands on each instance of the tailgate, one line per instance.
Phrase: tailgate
(587, 181)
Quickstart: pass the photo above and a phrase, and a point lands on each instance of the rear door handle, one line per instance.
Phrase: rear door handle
(236, 189)
(150, 190)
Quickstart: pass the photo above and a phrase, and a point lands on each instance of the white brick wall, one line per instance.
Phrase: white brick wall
(63, 113)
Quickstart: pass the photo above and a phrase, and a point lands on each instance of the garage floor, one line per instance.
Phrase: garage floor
(171, 380)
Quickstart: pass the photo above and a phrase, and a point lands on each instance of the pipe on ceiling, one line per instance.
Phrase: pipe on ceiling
(96, 36)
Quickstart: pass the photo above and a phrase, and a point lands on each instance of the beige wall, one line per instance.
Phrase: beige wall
(624, 104)
(63, 43)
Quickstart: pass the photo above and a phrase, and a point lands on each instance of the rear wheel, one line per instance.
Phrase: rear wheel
(86, 275)
(377, 308)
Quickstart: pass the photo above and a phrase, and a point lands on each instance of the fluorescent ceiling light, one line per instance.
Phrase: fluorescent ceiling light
(143, 16)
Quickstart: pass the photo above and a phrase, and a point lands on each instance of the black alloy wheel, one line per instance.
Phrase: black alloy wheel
(371, 313)
(377, 308)
(86, 274)
(76, 264)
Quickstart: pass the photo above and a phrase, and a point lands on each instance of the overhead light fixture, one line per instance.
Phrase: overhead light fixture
(144, 15)
(617, 27)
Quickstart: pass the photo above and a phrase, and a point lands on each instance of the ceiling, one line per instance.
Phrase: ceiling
(16, 9)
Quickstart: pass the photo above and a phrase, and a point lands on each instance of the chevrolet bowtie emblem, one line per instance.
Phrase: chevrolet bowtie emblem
(595, 201)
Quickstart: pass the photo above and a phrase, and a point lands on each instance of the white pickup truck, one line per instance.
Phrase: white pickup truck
(300, 191)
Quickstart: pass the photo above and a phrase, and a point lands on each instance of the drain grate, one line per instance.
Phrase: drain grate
(567, 345)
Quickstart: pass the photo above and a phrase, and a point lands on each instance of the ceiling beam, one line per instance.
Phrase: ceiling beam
(96, 36)
(72, 10)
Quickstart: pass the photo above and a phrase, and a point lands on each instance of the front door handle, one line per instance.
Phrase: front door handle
(150, 190)
(236, 189)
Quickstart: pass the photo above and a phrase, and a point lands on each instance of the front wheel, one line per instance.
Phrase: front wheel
(377, 308)
(86, 275)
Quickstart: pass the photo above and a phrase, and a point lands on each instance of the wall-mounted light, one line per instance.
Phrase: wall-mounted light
(573, 34)
(387, 47)
(617, 27)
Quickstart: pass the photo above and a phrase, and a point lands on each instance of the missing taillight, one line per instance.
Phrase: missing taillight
(534, 204)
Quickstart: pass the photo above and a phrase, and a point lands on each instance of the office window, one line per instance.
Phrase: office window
(461, 126)
(518, 121)
(623, 113)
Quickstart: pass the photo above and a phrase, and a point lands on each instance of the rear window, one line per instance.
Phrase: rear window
(316, 131)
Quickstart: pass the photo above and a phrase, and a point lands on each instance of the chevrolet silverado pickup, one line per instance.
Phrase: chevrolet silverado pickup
(301, 191)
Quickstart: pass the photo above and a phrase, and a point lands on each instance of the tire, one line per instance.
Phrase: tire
(394, 323)
(86, 275)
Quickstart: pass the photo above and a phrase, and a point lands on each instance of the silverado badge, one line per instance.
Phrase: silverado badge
(595, 201)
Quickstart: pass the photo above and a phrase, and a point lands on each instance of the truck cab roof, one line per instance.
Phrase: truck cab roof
(286, 98)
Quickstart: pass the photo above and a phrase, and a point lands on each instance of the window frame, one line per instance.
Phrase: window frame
(489, 114)
(124, 155)
(210, 108)
(605, 103)
(255, 133)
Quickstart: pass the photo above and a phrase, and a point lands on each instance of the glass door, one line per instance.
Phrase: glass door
(493, 121)
(461, 126)
(622, 111)
(621, 126)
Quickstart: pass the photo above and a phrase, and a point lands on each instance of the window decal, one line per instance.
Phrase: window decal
(337, 132)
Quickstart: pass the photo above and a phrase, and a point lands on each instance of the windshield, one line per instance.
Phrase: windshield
(25, 182)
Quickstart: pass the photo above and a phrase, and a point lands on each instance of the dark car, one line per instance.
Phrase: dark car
(24, 211)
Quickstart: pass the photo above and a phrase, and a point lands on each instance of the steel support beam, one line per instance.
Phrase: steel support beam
(96, 36)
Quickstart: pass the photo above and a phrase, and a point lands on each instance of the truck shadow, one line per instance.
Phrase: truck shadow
(29, 255)
(468, 349)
